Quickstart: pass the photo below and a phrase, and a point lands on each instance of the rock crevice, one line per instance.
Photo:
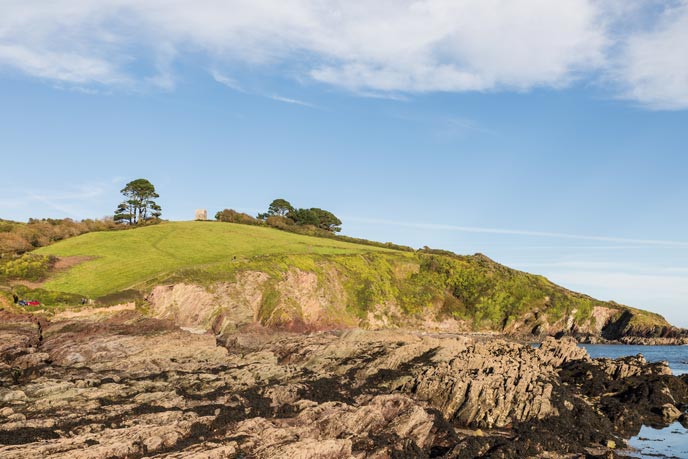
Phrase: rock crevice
(130, 386)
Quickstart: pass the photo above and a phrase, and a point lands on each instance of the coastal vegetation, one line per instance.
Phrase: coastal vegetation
(30, 266)
(281, 211)
(232, 216)
(357, 283)
(17, 238)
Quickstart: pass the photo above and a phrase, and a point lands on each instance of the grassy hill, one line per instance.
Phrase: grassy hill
(125, 259)
(287, 278)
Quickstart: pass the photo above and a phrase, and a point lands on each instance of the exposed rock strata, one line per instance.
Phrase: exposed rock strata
(134, 387)
(302, 300)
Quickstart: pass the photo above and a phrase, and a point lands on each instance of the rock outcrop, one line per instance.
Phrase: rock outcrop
(128, 386)
(326, 299)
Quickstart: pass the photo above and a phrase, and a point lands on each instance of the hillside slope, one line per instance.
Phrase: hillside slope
(221, 277)
(127, 259)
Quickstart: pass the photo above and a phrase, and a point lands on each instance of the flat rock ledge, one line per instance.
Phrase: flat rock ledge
(127, 386)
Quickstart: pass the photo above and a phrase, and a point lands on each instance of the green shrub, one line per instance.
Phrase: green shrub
(493, 295)
(17, 238)
(232, 216)
(29, 266)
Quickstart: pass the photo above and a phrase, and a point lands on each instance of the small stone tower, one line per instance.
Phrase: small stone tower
(201, 214)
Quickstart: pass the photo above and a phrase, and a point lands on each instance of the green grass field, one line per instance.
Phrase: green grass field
(126, 259)
(471, 288)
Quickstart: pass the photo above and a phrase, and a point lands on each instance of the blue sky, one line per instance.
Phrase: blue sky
(556, 145)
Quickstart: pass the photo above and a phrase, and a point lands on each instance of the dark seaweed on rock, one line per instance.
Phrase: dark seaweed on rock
(127, 386)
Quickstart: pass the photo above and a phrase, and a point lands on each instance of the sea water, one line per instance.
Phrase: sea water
(670, 442)
(677, 356)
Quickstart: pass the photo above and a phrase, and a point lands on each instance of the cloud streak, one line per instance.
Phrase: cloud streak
(225, 80)
(529, 233)
(288, 100)
(236, 86)
(74, 203)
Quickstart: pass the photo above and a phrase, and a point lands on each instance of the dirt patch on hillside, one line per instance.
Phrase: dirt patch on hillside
(64, 263)
(28, 284)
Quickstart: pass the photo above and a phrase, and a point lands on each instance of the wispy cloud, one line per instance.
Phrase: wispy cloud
(588, 265)
(64, 66)
(589, 247)
(288, 100)
(75, 201)
(518, 232)
(385, 48)
(164, 78)
(383, 95)
(227, 81)
(236, 86)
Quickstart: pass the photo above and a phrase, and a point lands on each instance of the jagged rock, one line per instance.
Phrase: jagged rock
(497, 383)
(130, 386)
(627, 367)
(557, 352)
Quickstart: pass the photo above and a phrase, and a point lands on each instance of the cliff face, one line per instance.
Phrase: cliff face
(435, 293)
(126, 385)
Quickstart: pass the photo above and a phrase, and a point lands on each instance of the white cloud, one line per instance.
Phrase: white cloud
(446, 45)
(60, 66)
(386, 45)
(383, 47)
(653, 67)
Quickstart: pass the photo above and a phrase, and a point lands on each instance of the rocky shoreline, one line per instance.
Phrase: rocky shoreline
(129, 386)
(635, 340)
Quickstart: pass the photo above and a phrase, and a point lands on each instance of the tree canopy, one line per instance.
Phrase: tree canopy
(282, 214)
(319, 218)
(304, 217)
(328, 221)
(139, 205)
(280, 207)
